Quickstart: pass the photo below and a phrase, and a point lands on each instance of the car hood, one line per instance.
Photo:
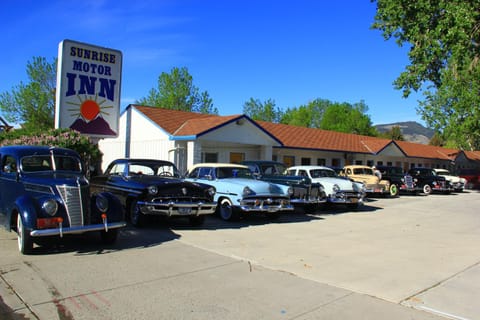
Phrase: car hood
(236, 185)
(329, 182)
(365, 178)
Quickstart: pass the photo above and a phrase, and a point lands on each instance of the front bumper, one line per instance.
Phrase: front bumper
(60, 231)
(376, 188)
(265, 205)
(172, 208)
(345, 197)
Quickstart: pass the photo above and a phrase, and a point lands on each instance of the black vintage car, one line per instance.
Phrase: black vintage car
(44, 193)
(148, 187)
(306, 195)
(429, 181)
(400, 182)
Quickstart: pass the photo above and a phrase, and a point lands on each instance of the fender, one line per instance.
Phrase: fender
(25, 205)
(115, 212)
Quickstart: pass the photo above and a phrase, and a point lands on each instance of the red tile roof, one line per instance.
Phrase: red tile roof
(417, 150)
(182, 123)
(309, 138)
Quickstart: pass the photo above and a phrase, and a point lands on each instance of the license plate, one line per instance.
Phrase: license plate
(184, 210)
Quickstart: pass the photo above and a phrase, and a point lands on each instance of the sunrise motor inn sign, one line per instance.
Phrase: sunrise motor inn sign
(88, 89)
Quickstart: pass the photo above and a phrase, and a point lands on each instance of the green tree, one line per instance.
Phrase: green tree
(309, 115)
(437, 140)
(395, 133)
(444, 52)
(264, 111)
(32, 104)
(176, 91)
(344, 117)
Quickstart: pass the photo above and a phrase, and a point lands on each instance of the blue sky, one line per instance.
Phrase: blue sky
(289, 51)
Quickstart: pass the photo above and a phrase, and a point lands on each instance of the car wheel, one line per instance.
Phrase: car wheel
(226, 210)
(393, 190)
(427, 189)
(136, 216)
(25, 243)
(196, 221)
(109, 237)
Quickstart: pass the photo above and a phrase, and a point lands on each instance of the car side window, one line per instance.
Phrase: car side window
(118, 169)
(9, 164)
(193, 174)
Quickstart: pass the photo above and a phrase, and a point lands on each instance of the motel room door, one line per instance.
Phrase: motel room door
(237, 157)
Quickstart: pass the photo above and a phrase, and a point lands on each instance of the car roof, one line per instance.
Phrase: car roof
(215, 165)
(357, 166)
(24, 150)
(309, 167)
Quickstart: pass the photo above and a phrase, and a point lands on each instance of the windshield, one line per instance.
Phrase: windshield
(363, 171)
(318, 173)
(273, 169)
(44, 163)
(233, 172)
(153, 168)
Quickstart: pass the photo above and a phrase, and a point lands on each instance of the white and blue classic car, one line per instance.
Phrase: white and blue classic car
(238, 192)
(44, 193)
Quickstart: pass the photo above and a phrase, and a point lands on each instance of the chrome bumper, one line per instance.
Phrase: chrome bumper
(177, 208)
(77, 230)
(265, 205)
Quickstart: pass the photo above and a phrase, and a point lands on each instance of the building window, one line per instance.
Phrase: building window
(274, 157)
(306, 161)
(210, 157)
(380, 163)
(369, 163)
(289, 161)
(336, 162)
(321, 162)
(358, 162)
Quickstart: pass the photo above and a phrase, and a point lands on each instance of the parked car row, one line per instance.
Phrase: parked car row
(44, 191)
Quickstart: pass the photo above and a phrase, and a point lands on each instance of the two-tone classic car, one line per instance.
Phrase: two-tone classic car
(306, 196)
(366, 175)
(148, 187)
(338, 190)
(44, 192)
(429, 181)
(238, 192)
(456, 182)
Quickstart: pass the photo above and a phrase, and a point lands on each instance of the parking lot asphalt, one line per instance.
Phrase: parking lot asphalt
(412, 257)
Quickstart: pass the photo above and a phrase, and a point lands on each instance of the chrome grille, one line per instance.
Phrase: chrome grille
(75, 202)
(409, 182)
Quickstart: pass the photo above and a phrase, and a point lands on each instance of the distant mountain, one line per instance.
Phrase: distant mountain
(412, 131)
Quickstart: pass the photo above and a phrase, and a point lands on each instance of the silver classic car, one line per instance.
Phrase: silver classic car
(44, 193)
(238, 192)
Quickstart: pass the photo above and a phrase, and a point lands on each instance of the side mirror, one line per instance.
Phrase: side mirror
(7, 168)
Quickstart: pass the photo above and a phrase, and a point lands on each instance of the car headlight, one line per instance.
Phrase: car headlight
(102, 203)
(50, 207)
(152, 190)
(247, 191)
(290, 191)
(336, 188)
(212, 191)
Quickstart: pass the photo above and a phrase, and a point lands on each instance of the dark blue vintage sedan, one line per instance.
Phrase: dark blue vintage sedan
(44, 192)
(149, 187)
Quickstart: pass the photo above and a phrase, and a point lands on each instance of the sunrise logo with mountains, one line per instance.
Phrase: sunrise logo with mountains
(88, 94)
